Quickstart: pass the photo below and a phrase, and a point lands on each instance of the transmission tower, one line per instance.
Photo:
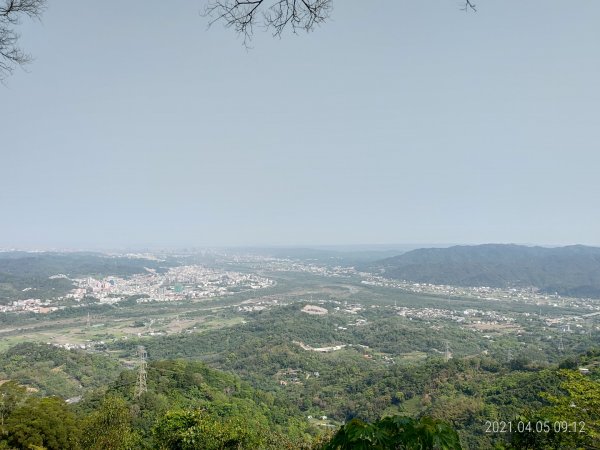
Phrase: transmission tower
(140, 386)
(89, 323)
(561, 345)
(447, 353)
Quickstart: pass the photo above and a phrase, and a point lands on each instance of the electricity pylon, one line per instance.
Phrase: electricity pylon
(140, 386)
(561, 345)
(447, 353)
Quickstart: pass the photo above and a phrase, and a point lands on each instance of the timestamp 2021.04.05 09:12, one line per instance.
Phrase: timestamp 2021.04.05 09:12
(539, 426)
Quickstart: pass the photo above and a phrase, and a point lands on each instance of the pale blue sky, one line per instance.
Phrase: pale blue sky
(395, 122)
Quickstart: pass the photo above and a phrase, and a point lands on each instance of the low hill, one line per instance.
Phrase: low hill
(51, 370)
(570, 271)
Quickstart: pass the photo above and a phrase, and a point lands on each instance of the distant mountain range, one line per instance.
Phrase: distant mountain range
(569, 271)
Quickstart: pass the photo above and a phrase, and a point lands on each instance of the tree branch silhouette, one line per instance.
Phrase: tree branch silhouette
(275, 15)
(11, 12)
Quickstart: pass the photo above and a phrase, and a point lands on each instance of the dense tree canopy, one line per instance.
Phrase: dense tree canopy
(109, 427)
(395, 433)
(435, 405)
(42, 423)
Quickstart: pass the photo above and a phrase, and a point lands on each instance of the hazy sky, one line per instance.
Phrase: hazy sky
(395, 122)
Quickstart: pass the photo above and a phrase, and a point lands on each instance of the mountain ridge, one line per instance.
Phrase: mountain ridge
(572, 270)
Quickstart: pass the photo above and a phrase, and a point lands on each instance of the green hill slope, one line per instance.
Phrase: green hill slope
(56, 371)
(569, 271)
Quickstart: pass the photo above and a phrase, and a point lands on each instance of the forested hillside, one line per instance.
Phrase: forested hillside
(189, 405)
(50, 370)
(568, 271)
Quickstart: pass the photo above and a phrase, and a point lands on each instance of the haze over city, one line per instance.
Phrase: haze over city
(408, 122)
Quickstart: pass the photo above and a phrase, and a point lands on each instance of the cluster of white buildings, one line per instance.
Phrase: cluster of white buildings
(83, 346)
(178, 283)
(34, 305)
(467, 316)
(288, 265)
(522, 295)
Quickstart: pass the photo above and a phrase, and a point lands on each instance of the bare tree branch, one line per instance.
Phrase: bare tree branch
(274, 15)
(11, 12)
(241, 15)
(469, 6)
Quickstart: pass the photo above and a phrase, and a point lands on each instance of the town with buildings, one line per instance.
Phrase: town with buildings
(528, 295)
(177, 284)
(198, 282)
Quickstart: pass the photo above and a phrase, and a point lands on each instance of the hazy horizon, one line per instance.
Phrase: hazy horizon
(136, 126)
(399, 247)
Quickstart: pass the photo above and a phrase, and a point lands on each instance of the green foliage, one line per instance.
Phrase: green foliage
(179, 389)
(109, 427)
(395, 432)
(191, 405)
(12, 395)
(45, 423)
(568, 363)
(197, 428)
(462, 392)
(349, 385)
(247, 406)
(56, 371)
(192, 429)
(580, 404)
(532, 438)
